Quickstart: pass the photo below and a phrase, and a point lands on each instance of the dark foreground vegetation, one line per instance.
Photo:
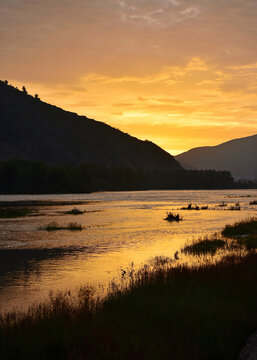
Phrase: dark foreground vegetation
(163, 311)
(246, 227)
(27, 177)
(204, 246)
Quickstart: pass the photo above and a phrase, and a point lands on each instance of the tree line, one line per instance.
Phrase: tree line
(29, 177)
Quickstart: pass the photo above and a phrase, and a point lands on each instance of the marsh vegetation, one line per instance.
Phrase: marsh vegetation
(164, 310)
(207, 245)
(191, 207)
(173, 217)
(75, 211)
(245, 227)
(53, 226)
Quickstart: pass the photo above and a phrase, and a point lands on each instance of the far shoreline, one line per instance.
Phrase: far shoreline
(80, 202)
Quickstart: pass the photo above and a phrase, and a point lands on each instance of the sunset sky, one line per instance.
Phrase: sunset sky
(181, 73)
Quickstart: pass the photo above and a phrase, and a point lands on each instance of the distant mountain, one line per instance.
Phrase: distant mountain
(34, 130)
(238, 156)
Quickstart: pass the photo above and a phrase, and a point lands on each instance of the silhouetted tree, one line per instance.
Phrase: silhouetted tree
(24, 90)
(37, 97)
(6, 82)
(28, 177)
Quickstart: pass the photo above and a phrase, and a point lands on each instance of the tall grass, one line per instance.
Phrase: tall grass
(204, 246)
(245, 227)
(162, 311)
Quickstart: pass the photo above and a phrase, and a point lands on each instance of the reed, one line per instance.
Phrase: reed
(54, 226)
(164, 310)
(244, 227)
(204, 246)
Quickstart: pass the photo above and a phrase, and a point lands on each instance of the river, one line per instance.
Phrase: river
(118, 228)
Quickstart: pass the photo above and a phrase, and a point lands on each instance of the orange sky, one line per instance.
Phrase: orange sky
(180, 73)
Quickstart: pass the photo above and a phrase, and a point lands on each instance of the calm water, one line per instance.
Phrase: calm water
(120, 228)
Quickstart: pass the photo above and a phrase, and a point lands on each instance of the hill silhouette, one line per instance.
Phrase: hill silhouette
(239, 156)
(31, 129)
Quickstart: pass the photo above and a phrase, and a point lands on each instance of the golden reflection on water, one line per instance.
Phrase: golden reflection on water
(119, 229)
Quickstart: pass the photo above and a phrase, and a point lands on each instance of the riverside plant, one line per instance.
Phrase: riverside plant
(165, 311)
(244, 227)
(235, 207)
(191, 207)
(54, 226)
(204, 246)
(75, 211)
(173, 217)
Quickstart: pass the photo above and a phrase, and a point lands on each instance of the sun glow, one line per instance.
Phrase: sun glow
(155, 69)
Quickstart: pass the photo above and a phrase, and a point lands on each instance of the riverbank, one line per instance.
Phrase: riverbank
(166, 310)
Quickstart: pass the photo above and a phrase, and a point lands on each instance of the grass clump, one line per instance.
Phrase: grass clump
(54, 226)
(75, 211)
(173, 217)
(11, 212)
(245, 227)
(190, 207)
(204, 246)
(235, 207)
(74, 226)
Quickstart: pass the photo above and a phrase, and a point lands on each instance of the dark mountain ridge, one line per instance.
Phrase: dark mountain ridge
(31, 129)
(239, 156)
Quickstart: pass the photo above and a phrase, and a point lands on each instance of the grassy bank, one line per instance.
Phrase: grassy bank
(246, 227)
(163, 311)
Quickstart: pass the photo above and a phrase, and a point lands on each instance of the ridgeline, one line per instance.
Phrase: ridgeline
(44, 149)
(31, 129)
